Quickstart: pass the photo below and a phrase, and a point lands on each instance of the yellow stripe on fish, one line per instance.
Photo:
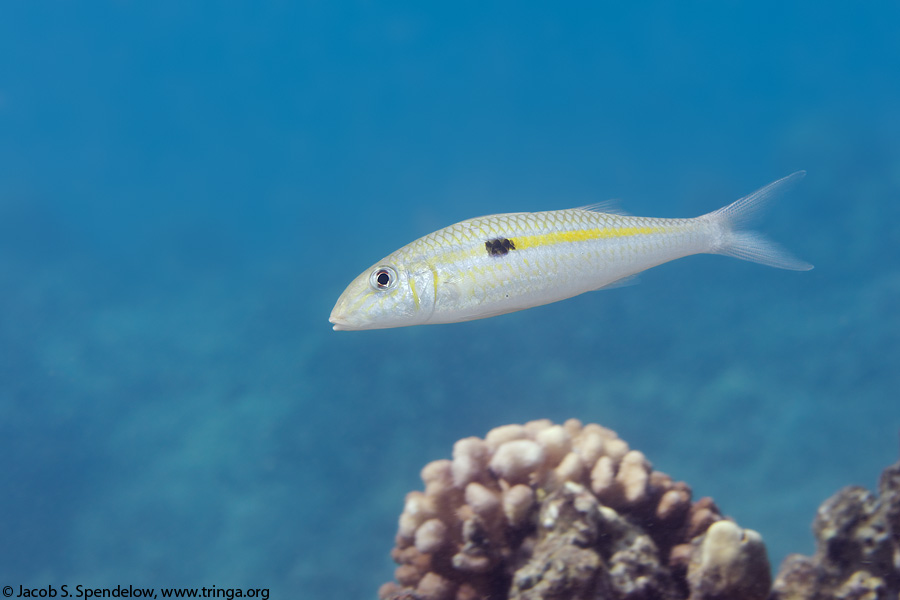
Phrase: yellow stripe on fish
(497, 264)
(529, 241)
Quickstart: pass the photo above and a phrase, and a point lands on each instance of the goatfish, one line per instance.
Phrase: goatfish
(502, 263)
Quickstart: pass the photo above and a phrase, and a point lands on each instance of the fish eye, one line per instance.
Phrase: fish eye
(383, 278)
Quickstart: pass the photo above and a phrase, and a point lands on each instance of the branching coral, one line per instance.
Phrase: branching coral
(556, 512)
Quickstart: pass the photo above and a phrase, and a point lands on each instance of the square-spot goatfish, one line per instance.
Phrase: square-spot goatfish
(499, 264)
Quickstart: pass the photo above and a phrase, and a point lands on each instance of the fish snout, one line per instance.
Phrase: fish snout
(339, 319)
(339, 325)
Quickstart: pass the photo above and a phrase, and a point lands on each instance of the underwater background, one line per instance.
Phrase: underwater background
(186, 188)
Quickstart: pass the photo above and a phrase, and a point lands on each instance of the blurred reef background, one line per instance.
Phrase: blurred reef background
(186, 188)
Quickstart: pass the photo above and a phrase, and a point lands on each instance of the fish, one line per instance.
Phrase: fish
(498, 264)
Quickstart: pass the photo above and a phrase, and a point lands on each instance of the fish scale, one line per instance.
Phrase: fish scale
(497, 264)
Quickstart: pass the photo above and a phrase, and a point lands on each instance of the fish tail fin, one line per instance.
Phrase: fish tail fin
(733, 239)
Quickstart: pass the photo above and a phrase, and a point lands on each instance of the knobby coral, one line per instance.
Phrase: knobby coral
(556, 512)
(857, 548)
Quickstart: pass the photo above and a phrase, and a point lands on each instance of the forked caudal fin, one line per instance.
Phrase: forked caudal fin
(740, 243)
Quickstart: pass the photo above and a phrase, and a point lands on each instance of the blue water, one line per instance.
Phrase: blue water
(186, 188)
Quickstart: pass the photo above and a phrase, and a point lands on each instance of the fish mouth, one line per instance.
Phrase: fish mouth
(339, 323)
(339, 326)
(338, 316)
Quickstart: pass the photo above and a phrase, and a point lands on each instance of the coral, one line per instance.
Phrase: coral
(731, 563)
(857, 548)
(558, 512)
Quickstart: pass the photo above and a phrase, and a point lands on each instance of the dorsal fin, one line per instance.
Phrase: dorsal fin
(610, 207)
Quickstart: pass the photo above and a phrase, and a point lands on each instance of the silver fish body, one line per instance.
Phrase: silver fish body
(503, 263)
